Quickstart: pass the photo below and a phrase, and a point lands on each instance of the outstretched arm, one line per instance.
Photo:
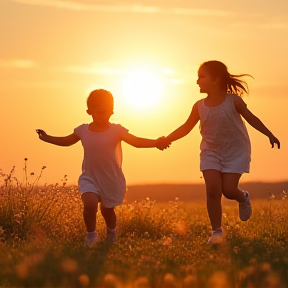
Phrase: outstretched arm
(184, 129)
(60, 141)
(254, 121)
(141, 142)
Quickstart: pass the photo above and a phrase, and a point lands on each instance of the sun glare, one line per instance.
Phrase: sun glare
(142, 89)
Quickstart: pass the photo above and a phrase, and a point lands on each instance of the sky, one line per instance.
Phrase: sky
(54, 52)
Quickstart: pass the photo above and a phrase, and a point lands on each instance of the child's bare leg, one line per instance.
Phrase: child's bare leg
(109, 217)
(213, 182)
(90, 201)
(230, 188)
(231, 191)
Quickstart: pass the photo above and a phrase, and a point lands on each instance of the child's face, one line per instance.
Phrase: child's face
(205, 81)
(100, 115)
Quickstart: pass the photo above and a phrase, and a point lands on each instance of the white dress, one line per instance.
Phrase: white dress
(225, 144)
(101, 167)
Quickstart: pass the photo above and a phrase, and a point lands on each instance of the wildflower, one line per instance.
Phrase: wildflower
(167, 241)
(181, 228)
(236, 249)
(270, 195)
(44, 167)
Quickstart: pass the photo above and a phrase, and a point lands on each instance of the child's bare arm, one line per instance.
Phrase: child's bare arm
(60, 141)
(184, 129)
(254, 121)
(140, 142)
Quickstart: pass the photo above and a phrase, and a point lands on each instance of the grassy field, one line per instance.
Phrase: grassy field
(159, 244)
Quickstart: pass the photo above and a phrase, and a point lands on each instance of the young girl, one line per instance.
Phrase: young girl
(102, 179)
(225, 146)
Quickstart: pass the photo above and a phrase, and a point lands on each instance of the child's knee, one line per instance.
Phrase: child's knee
(213, 193)
(90, 207)
(230, 192)
(107, 211)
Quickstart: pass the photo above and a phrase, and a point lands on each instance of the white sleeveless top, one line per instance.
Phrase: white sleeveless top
(223, 130)
(101, 167)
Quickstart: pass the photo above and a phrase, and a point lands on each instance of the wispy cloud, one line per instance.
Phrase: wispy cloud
(18, 63)
(274, 24)
(167, 74)
(125, 6)
(201, 12)
(92, 6)
(92, 69)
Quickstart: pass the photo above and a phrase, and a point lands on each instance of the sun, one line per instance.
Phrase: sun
(141, 89)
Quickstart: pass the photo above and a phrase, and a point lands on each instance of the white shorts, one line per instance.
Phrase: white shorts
(238, 164)
(108, 201)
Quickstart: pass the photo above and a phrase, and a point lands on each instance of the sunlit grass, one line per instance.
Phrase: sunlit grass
(159, 244)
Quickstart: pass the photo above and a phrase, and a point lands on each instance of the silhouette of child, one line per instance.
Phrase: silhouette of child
(102, 179)
(225, 146)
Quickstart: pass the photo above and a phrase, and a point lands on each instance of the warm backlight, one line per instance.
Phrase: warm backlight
(141, 89)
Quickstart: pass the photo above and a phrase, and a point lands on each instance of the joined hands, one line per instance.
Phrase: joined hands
(162, 143)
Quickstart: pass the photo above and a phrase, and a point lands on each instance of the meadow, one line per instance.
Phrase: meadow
(159, 244)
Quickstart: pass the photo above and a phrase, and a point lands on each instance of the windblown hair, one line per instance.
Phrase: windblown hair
(229, 82)
(100, 97)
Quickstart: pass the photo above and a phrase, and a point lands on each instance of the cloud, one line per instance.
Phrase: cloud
(92, 69)
(168, 74)
(274, 25)
(18, 63)
(91, 6)
(202, 12)
(125, 6)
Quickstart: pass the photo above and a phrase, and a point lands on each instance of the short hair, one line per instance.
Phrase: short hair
(100, 97)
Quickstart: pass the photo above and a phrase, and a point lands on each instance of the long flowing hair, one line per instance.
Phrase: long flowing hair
(229, 82)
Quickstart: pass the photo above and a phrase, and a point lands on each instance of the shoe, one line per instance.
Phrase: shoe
(111, 236)
(91, 238)
(245, 208)
(216, 237)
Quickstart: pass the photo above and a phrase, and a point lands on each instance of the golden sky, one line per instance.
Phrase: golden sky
(54, 52)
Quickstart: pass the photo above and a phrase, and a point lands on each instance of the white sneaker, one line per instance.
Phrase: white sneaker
(245, 208)
(91, 239)
(111, 236)
(216, 237)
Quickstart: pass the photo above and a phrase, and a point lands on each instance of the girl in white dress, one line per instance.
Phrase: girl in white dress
(225, 146)
(102, 179)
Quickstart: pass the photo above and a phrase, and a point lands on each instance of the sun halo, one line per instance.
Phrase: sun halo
(141, 89)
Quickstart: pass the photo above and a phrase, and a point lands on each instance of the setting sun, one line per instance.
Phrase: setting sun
(141, 89)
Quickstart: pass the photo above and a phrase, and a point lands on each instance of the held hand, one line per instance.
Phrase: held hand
(41, 133)
(274, 140)
(162, 143)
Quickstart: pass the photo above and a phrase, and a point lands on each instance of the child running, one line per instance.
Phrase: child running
(102, 179)
(225, 146)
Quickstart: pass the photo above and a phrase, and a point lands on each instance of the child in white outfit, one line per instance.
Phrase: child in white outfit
(225, 146)
(102, 179)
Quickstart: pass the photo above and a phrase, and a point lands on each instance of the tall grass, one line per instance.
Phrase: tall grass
(159, 244)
